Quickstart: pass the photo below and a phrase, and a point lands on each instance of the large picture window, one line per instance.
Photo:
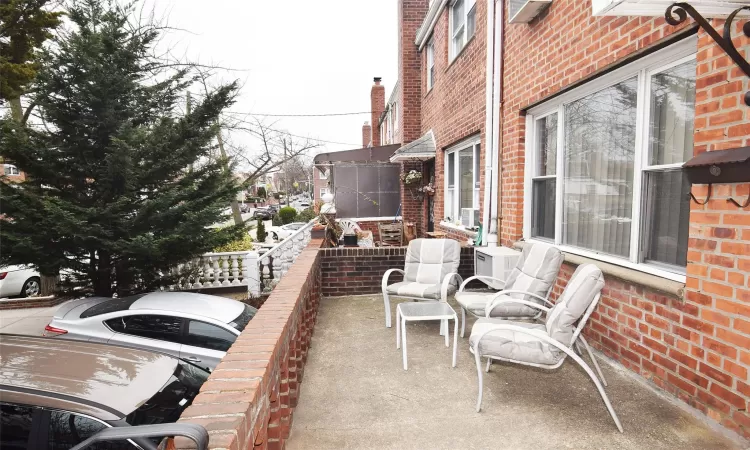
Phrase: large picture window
(461, 179)
(603, 174)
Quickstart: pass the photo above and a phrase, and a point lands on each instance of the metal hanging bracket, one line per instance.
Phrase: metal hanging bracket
(740, 205)
(708, 197)
(677, 13)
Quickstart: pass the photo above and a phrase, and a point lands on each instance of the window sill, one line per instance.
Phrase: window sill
(659, 280)
(458, 228)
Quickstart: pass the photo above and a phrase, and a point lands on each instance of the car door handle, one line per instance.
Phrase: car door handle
(192, 359)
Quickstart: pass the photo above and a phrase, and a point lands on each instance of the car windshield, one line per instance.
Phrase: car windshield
(108, 306)
(241, 321)
(173, 398)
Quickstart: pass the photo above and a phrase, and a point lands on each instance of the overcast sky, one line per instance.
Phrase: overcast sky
(294, 56)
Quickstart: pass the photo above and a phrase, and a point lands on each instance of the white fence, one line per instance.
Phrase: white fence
(246, 268)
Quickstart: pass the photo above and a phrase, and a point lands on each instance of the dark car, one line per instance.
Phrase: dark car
(55, 394)
(263, 213)
(275, 208)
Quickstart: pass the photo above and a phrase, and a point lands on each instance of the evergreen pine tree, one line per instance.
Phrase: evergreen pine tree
(120, 185)
(260, 231)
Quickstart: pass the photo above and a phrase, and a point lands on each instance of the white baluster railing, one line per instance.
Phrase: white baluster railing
(245, 268)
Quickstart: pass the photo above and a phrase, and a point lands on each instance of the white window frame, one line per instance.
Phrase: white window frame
(322, 175)
(430, 64)
(469, 5)
(323, 191)
(644, 68)
(473, 143)
(11, 170)
(395, 117)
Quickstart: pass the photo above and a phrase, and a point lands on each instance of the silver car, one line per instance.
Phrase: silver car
(196, 327)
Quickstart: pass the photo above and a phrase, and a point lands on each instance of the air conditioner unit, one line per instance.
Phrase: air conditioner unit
(524, 11)
(495, 262)
(469, 217)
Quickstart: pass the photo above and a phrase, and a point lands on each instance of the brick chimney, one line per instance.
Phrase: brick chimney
(410, 16)
(377, 106)
(366, 133)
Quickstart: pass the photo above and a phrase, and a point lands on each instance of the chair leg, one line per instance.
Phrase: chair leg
(463, 321)
(593, 360)
(477, 358)
(599, 387)
(387, 302)
(489, 363)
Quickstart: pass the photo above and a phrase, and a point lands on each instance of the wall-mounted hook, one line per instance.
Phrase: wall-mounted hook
(708, 197)
(744, 205)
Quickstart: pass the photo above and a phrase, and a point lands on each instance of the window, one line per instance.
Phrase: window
(395, 117)
(206, 335)
(430, 65)
(604, 176)
(323, 191)
(463, 18)
(461, 179)
(152, 326)
(322, 174)
(10, 169)
(15, 423)
(66, 430)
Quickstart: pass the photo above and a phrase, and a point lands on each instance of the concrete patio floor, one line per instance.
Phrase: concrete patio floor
(356, 395)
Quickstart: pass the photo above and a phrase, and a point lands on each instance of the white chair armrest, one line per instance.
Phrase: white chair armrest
(518, 291)
(529, 331)
(478, 277)
(447, 283)
(499, 301)
(384, 284)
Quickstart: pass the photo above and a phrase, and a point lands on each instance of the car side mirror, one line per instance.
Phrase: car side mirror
(194, 432)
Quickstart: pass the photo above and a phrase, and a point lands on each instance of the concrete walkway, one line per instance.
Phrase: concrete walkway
(356, 395)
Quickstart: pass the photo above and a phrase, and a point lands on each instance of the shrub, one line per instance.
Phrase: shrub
(287, 215)
(261, 192)
(242, 244)
(306, 215)
(276, 221)
(261, 233)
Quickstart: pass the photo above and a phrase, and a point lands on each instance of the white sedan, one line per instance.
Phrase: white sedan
(19, 280)
(284, 231)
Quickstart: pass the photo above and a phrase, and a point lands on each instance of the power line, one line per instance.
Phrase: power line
(302, 115)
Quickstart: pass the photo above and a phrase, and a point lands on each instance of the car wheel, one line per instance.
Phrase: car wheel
(31, 287)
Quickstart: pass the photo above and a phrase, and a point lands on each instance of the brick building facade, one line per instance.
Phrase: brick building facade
(676, 305)
(695, 346)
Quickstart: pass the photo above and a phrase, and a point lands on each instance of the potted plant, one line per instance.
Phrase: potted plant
(411, 178)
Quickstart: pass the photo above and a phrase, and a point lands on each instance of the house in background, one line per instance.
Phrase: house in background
(568, 122)
(13, 174)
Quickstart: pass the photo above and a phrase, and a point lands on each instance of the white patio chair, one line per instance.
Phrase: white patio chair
(532, 280)
(545, 345)
(430, 274)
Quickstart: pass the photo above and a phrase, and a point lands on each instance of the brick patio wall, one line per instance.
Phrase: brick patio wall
(355, 271)
(248, 401)
(698, 347)
(33, 302)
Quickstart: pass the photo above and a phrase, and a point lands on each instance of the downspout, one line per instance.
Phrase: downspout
(497, 93)
(489, 137)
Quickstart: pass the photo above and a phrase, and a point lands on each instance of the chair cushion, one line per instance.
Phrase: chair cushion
(536, 271)
(585, 284)
(419, 290)
(513, 345)
(428, 261)
(474, 302)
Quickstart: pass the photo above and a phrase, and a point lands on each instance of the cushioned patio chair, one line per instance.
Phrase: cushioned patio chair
(545, 345)
(532, 280)
(430, 274)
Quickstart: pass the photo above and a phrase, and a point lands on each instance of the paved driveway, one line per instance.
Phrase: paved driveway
(29, 321)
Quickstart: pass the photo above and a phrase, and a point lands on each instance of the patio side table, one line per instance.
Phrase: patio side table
(420, 311)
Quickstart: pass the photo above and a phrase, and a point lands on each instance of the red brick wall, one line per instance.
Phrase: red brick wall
(696, 348)
(377, 106)
(354, 271)
(249, 399)
(410, 16)
(372, 225)
(455, 106)
(318, 183)
(366, 134)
